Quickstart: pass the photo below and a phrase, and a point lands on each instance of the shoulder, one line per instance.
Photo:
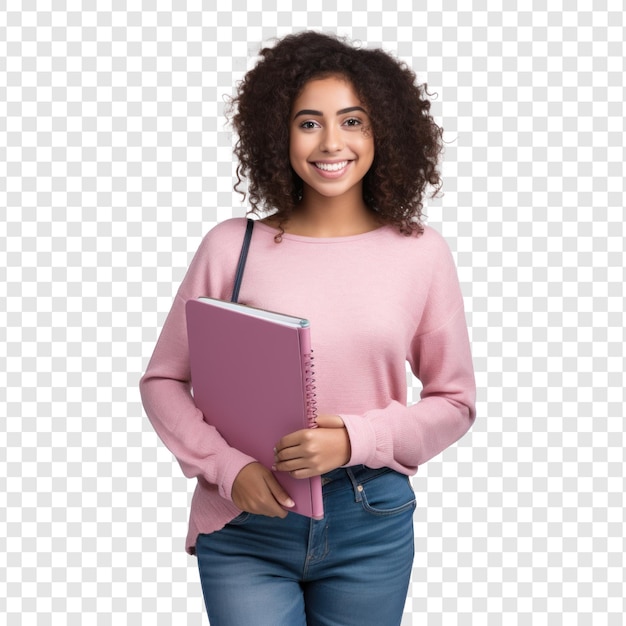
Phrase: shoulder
(429, 261)
(427, 247)
(434, 240)
(225, 236)
(219, 245)
(439, 254)
(227, 231)
(213, 265)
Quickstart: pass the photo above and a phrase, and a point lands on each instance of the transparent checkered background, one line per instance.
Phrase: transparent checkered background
(115, 159)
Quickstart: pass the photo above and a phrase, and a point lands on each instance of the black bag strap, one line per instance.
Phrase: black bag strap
(242, 260)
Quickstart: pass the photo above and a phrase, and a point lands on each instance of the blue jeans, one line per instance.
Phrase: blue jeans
(351, 568)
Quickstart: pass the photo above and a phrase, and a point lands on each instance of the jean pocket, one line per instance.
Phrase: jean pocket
(242, 518)
(388, 494)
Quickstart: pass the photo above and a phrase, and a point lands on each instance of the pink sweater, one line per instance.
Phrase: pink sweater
(374, 301)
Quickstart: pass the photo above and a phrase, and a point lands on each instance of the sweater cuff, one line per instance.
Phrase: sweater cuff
(363, 442)
(237, 461)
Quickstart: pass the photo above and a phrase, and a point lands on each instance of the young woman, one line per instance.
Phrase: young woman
(338, 148)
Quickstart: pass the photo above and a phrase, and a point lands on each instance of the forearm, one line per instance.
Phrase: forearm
(198, 447)
(404, 437)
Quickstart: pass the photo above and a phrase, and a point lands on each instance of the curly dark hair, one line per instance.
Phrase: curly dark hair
(407, 141)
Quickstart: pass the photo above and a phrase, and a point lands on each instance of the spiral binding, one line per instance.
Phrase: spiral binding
(309, 388)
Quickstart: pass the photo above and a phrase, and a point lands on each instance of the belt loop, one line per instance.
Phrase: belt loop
(355, 485)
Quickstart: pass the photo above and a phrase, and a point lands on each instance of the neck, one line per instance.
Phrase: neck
(321, 216)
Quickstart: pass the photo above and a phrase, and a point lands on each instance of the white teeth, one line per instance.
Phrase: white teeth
(331, 167)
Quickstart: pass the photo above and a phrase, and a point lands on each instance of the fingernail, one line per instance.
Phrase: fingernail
(289, 503)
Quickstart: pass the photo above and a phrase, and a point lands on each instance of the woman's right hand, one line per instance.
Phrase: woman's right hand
(256, 490)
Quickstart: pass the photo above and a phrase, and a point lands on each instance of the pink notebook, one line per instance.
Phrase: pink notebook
(252, 379)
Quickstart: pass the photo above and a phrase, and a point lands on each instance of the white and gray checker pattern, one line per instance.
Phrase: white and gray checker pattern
(115, 159)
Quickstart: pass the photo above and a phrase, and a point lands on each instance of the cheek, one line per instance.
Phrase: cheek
(364, 142)
(299, 143)
(298, 153)
(368, 151)
(293, 148)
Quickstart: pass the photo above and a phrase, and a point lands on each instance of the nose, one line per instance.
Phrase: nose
(331, 140)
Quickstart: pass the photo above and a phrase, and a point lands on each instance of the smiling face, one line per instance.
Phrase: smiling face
(331, 146)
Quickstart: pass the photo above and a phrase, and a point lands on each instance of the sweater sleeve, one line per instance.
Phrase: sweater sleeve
(166, 394)
(404, 437)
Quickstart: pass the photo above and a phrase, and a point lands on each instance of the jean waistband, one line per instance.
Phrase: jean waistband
(354, 474)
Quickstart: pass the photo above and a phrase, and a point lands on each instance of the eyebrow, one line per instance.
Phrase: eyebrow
(320, 114)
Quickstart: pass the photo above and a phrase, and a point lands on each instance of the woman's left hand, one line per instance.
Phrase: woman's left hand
(314, 451)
